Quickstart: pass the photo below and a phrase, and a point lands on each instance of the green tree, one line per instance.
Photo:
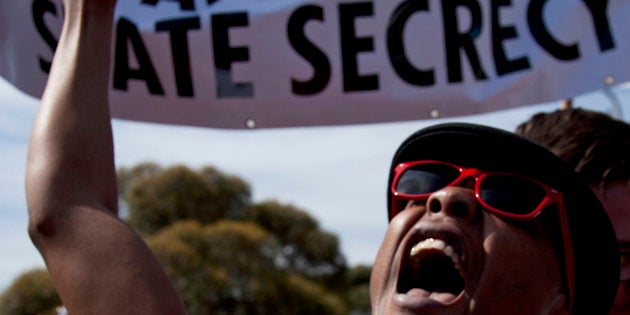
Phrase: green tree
(225, 254)
(302, 296)
(32, 293)
(126, 176)
(300, 248)
(359, 293)
(306, 249)
(233, 195)
(160, 198)
(229, 267)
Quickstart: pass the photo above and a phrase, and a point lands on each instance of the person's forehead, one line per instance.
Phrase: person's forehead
(481, 162)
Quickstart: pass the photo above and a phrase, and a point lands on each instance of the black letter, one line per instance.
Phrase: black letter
(306, 49)
(396, 48)
(224, 55)
(179, 49)
(183, 4)
(499, 35)
(542, 35)
(598, 9)
(39, 9)
(352, 45)
(126, 30)
(456, 41)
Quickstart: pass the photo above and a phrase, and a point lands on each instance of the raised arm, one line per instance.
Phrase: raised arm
(98, 264)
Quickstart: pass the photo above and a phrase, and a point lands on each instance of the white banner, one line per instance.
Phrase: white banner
(281, 63)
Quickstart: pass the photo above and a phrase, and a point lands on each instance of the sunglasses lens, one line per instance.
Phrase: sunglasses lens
(511, 194)
(426, 178)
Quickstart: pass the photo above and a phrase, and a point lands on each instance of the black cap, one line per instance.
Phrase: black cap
(594, 242)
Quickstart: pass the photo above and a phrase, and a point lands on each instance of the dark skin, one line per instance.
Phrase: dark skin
(98, 264)
(498, 260)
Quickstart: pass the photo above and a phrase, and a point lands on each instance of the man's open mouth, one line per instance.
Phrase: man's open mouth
(433, 266)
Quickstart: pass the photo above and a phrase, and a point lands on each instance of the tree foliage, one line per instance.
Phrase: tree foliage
(32, 293)
(126, 176)
(306, 249)
(160, 197)
(359, 293)
(228, 255)
(229, 267)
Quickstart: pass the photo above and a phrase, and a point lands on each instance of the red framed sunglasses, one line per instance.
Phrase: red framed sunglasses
(506, 195)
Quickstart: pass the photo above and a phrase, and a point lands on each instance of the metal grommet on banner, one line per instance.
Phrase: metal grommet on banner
(610, 80)
(250, 123)
(434, 113)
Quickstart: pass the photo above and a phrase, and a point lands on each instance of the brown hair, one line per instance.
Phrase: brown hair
(594, 144)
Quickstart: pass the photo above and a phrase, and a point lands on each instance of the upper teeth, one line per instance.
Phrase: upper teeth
(436, 244)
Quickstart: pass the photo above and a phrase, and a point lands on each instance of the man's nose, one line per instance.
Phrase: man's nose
(454, 201)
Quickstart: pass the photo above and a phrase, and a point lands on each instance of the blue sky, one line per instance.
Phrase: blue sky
(338, 174)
